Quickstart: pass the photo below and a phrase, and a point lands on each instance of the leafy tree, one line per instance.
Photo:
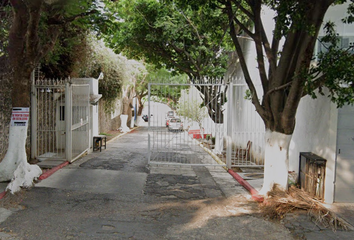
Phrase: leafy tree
(285, 70)
(98, 58)
(186, 40)
(166, 35)
(159, 91)
(34, 29)
(192, 108)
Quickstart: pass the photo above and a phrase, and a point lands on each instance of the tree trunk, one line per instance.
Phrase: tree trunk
(14, 166)
(22, 44)
(276, 161)
(140, 106)
(139, 110)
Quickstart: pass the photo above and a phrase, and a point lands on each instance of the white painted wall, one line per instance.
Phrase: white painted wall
(316, 120)
(316, 131)
(335, 14)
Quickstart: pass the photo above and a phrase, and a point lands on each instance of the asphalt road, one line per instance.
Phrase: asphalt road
(114, 194)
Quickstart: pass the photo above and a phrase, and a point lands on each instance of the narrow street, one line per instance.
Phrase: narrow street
(114, 194)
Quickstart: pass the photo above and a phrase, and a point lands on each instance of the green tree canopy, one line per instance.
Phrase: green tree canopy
(182, 39)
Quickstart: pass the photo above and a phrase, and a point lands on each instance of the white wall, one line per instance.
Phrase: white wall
(335, 14)
(316, 120)
(316, 132)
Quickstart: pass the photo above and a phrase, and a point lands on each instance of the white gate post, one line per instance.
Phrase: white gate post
(68, 121)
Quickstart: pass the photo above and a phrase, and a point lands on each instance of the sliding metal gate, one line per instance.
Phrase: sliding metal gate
(237, 139)
(60, 119)
(179, 123)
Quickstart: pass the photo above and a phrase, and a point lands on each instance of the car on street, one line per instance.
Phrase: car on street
(175, 124)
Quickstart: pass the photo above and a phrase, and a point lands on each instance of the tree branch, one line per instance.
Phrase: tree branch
(56, 21)
(244, 10)
(259, 43)
(32, 40)
(243, 64)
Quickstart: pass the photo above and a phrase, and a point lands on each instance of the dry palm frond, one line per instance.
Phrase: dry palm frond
(279, 203)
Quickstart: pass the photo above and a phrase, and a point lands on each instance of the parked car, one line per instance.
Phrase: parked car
(145, 118)
(175, 124)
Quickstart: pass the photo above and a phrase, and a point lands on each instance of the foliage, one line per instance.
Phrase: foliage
(184, 40)
(334, 69)
(291, 74)
(99, 58)
(192, 108)
(70, 51)
(170, 90)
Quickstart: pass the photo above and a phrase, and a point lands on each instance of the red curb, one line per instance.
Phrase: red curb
(53, 170)
(245, 184)
(2, 194)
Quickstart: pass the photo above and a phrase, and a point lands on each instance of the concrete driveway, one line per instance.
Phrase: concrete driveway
(114, 194)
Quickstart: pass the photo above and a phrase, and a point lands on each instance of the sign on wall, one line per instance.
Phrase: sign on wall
(19, 116)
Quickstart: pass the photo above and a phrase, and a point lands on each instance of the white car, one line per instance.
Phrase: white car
(175, 124)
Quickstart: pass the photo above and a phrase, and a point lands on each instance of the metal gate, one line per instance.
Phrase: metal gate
(214, 117)
(180, 123)
(60, 119)
(245, 128)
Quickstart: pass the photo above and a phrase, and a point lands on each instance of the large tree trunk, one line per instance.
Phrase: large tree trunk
(126, 115)
(140, 109)
(15, 166)
(276, 161)
(23, 55)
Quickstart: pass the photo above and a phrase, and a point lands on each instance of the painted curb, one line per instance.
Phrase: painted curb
(254, 193)
(51, 171)
(2, 194)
